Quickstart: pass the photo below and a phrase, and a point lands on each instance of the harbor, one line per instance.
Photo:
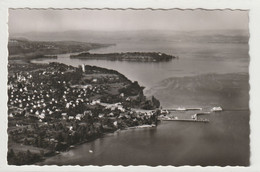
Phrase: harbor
(186, 120)
(170, 114)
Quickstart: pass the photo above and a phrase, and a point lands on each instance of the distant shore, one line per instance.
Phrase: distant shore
(23, 50)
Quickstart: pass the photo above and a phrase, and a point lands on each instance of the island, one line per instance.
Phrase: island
(128, 56)
(53, 107)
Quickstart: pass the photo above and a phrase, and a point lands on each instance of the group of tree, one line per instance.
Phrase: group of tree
(23, 158)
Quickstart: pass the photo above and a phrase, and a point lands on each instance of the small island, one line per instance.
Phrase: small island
(52, 107)
(128, 56)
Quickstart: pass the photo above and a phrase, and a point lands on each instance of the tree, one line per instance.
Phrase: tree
(60, 137)
(156, 103)
(25, 141)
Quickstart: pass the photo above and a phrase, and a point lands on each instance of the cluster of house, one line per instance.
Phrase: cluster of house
(35, 97)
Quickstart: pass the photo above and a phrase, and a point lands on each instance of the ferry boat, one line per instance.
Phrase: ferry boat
(181, 109)
(216, 109)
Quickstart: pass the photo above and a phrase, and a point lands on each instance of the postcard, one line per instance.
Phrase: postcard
(134, 87)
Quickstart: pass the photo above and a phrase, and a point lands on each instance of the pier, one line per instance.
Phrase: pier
(182, 109)
(186, 120)
(194, 118)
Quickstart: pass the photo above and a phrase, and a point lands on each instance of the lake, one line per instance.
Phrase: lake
(206, 74)
(194, 59)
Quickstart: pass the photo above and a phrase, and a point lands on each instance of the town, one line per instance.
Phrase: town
(52, 107)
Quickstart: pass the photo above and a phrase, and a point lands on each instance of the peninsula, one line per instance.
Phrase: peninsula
(21, 49)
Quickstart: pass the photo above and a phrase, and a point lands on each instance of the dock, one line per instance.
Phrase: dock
(182, 109)
(203, 113)
(194, 118)
(187, 120)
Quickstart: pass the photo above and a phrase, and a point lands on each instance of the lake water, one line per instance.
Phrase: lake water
(170, 143)
(194, 59)
(223, 141)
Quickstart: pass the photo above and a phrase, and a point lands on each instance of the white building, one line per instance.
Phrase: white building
(83, 67)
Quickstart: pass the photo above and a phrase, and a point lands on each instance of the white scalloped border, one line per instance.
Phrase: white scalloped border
(254, 42)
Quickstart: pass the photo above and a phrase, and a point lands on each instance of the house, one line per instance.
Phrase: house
(64, 115)
(115, 123)
(94, 80)
(121, 108)
(42, 116)
(83, 67)
(79, 116)
(121, 115)
(101, 115)
(87, 113)
(111, 114)
(37, 113)
(71, 117)
(94, 102)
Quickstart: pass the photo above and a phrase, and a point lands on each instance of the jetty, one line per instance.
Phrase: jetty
(203, 113)
(185, 120)
(182, 109)
(194, 118)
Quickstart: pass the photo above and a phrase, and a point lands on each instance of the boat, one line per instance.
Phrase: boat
(194, 116)
(181, 109)
(216, 109)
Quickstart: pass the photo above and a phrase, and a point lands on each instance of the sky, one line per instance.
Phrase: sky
(50, 20)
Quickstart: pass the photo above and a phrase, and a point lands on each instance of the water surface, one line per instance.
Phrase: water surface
(194, 59)
(210, 74)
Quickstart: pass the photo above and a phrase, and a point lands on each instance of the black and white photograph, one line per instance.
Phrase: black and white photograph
(128, 87)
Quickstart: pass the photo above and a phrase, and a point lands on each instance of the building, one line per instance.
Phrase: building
(83, 67)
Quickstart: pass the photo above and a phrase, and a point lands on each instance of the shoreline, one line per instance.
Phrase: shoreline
(93, 139)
